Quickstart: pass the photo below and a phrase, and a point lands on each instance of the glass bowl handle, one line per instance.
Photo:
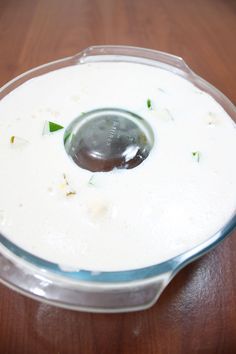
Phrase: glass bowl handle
(42, 286)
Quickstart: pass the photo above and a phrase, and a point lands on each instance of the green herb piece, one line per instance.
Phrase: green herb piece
(149, 103)
(51, 127)
(16, 141)
(196, 155)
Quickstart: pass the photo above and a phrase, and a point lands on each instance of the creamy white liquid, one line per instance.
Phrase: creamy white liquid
(124, 219)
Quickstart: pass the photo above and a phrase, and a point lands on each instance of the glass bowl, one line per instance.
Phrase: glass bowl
(84, 290)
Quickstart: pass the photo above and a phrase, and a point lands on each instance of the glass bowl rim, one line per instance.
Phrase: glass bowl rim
(171, 265)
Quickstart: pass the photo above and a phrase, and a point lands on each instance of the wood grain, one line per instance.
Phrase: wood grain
(197, 312)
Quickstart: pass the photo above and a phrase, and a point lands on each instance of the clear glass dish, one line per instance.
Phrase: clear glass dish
(105, 291)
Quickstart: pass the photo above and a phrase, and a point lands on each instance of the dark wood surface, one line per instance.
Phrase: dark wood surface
(197, 312)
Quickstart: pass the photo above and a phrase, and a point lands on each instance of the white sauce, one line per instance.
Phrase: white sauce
(122, 219)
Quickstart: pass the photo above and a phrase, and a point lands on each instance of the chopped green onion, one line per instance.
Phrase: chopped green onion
(51, 127)
(16, 141)
(149, 103)
(196, 155)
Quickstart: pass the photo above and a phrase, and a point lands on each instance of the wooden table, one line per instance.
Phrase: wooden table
(197, 312)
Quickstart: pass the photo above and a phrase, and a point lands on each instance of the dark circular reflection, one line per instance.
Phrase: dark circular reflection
(104, 139)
